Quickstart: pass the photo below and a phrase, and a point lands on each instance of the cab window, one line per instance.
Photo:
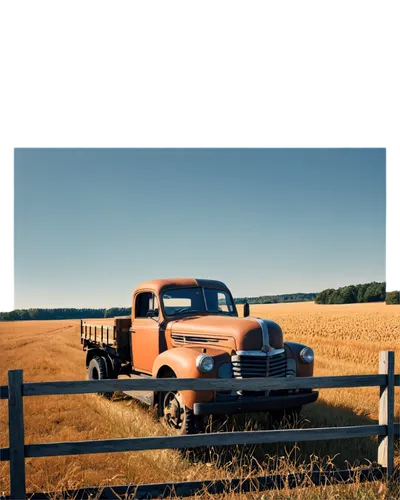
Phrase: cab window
(218, 301)
(144, 302)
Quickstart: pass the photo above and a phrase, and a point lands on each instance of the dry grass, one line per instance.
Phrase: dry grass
(346, 339)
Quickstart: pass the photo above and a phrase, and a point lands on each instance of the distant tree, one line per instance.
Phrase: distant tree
(336, 298)
(20, 315)
(393, 298)
(375, 292)
(117, 311)
(324, 296)
(349, 294)
(34, 314)
(361, 292)
(321, 297)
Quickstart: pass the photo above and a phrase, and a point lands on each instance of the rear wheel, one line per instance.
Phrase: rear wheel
(176, 415)
(97, 370)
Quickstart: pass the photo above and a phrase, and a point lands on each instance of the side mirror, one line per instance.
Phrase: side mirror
(152, 313)
(246, 309)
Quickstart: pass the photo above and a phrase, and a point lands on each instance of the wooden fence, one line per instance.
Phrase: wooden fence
(386, 429)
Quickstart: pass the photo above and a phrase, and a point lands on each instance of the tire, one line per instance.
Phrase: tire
(175, 414)
(284, 417)
(97, 370)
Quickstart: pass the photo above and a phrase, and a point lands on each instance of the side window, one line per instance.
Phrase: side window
(218, 301)
(144, 302)
(222, 303)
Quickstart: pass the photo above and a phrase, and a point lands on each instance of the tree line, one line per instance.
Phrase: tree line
(63, 313)
(367, 292)
(351, 294)
(117, 311)
(60, 313)
(274, 299)
(77, 313)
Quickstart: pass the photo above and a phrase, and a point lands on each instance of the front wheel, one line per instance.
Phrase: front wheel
(176, 415)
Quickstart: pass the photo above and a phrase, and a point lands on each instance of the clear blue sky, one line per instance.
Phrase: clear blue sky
(90, 224)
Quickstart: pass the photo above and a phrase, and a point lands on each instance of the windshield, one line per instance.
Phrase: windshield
(197, 300)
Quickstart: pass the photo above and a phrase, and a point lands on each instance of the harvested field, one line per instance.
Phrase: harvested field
(346, 339)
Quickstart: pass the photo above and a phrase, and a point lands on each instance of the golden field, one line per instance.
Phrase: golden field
(346, 340)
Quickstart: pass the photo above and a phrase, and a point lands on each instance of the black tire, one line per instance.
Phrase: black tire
(284, 417)
(182, 420)
(97, 370)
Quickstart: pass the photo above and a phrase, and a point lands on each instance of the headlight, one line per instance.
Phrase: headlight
(204, 363)
(307, 355)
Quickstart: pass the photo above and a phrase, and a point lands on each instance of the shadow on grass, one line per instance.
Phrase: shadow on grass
(339, 452)
(250, 463)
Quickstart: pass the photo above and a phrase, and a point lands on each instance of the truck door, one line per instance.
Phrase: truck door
(146, 333)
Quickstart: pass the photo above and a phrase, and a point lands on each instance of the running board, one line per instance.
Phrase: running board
(146, 397)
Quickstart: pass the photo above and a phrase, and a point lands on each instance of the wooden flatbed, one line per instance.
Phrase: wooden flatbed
(103, 336)
(98, 334)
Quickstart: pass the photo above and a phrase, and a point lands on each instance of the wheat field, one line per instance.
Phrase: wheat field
(346, 340)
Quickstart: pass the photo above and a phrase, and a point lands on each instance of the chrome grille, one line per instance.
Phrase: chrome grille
(276, 365)
(259, 365)
(194, 339)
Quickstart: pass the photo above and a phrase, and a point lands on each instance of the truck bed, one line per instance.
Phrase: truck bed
(101, 334)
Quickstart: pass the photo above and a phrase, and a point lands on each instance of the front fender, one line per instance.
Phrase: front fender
(293, 350)
(182, 361)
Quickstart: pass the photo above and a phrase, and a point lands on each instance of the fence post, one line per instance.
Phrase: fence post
(16, 434)
(386, 412)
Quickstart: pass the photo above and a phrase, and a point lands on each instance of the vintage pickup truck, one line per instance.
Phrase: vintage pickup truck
(189, 328)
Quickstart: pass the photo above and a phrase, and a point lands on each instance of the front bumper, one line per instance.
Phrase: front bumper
(247, 404)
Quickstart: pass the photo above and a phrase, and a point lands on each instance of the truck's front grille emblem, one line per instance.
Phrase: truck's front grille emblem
(274, 365)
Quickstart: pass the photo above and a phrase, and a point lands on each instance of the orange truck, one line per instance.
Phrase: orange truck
(190, 328)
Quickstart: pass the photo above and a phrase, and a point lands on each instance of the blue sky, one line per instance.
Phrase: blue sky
(90, 224)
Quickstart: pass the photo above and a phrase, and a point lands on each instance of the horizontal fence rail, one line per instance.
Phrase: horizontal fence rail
(17, 451)
(181, 384)
(198, 440)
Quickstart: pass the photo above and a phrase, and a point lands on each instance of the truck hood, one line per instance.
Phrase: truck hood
(242, 334)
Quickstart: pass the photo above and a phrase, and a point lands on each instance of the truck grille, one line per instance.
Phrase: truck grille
(245, 366)
(194, 339)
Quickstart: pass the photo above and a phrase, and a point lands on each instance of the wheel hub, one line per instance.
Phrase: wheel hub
(174, 410)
